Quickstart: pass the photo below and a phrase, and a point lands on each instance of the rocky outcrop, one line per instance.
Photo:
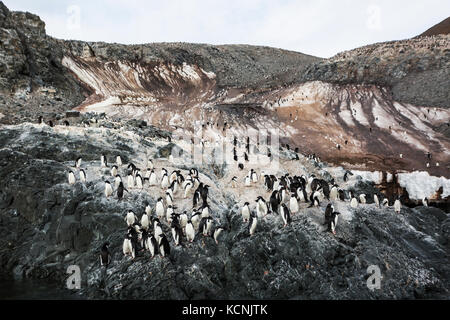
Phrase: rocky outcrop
(48, 225)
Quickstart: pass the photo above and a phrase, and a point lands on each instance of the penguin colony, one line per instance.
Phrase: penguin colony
(283, 198)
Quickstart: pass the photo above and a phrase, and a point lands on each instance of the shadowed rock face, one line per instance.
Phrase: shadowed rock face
(48, 225)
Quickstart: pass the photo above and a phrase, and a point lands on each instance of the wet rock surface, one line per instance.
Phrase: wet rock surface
(48, 225)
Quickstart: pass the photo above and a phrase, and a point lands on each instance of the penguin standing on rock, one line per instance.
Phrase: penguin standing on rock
(159, 208)
(293, 203)
(117, 181)
(78, 163)
(275, 201)
(376, 200)
(71, 177)
(397, 205)
(205, 226)
(120, 190)
(285, 214)
(164, 246)
(108, 189)
(152, 245)
(252, 224)
(353, 201)
(234, 182)
(245, 211)
(105, 256)
(127, 247)
(216, 232)
(425, 202)
(82, 175)
(114, 171)
(362, 198)
(190, 231)
(103, 161)
(261, 207)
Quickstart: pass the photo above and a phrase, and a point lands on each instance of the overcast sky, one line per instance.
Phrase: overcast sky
(318, 27)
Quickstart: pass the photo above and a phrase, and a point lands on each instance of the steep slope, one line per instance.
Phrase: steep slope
(442, 27)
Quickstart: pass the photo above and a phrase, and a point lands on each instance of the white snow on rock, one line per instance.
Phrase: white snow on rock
(375, 176)
(420, 184)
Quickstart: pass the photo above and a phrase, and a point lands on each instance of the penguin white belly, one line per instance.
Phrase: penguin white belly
(190, 232)
(333, 194)
(354, 203)
(165, 182)
(71, 178)
(108, 190)
(158, 232)
(362, 199)
(397, 206)
(205, 212)
(139, 183)
(151, 248)
(183, 221)
(245, 213)
(144, 221)
(195, 221)
(375, 199)
(293, 205)
(253, 226)
(152, 180)
(187, 191)
(130, 181)
(247, 182)
(159, 210)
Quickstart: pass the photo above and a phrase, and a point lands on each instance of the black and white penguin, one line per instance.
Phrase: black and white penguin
(195, 219)
(139, 181)
(190, 231)
(205, 210)
(261, 207)
(253, 222)
(216, 232)
(71, 177)
(293, 203)
(196, 198)
(152, 245)
(108, 189)
(169, 213)
(183, 220)
(285, 214)
(328, 211)
(425, 202)
(159, 208)
(332, 222)
(187, 189)
(177, 232)
(254, 176)
(130, 180)
(120, 190)
(82, 175)
(234, 182)
(169, 198)
(268, 183)
(165, 182)
(103, 161)
(334, 193)
(105, 256)
(341, 194)
(145, 221)
(78, 163)
(114, 171)
(152, 180)
(385, 202)
(241, 166)
(274, 201)
(245, 211)
(130, 218)
(353, 201)
(157, 231)
(301, 194)
(117, 181)
(204, 193)
(376, 200)
(164, 246)
(119, 161)
(315, 199)
(397, 205)
(247, 181)
(66, 123)
(362, 198)
(128, 248)
(205, 226)
(346, 175)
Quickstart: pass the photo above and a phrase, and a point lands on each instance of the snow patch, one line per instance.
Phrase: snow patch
(420, 184)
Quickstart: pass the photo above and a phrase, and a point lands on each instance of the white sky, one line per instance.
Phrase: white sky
(317, 27)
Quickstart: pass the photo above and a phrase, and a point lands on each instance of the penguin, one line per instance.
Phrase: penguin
(328, 211)
(183, 220)
(341, 194)
(78, 163)
(82, 175)
(71, 177)
(159, 208)
(108, 189)
(334, 193)
(177, 232)
(152, 245)
(103, 161)
(353, 201)
(195, 218)
(130, 218)
(148, 209)
(157, 231)
(66, 123)
(245, 211)
(247, 181)
(150, 164)
(196, 198)
(205, 226)
(114, 171)
(254, 176)
(119, 161)
(425, 202)
(163, 172)
(241, 166)
(216, 232)
(130, 180)
(314, 198)
(346, 175)
(301, 194)
(164, 246)
(190, 231)
(375, 200)
(105, 256)
(165, 182)
(234, 182)
(204, 193)
(261, 207)
(169, 212)
(285, 214)
(152, 180)
(332, 222)
(169, 198)
(187, 189)
(274, 201)
(117, 181)
(127, 247)
(144, 221)
(173, 187)
(139, 181)
(362, 198)
(397, 205)
(253, 222)
(293, 203)
(120, 190)
(268, 183)
(385, 202)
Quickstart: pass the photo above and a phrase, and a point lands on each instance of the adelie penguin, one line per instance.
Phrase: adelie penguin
(119, 161)
(160, 208)
(216, 232)
(71, 177)
(82, 175)
(105, 256)
(177, 232)
(114, 171)
(164, 246)
(261, 207)
(245, 211)
(205, 226)
(425, 202)
(293, 203)
(117, 181)
(252, 224)
(376, 200)
(108, 189)
(120, 190)
(190, 231)
(78, 163)
(331, 218)
(195, 218)
(285, 214)
(274, 201)
(234, 182)
(103, 161)
(128, 247)
(152, 180)
(353, 201)
(334, 193)
(130, 218)
(362, 198)
(397, 205)
(152, 245)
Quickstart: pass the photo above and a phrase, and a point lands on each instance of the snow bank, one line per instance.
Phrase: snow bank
(420, 184)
